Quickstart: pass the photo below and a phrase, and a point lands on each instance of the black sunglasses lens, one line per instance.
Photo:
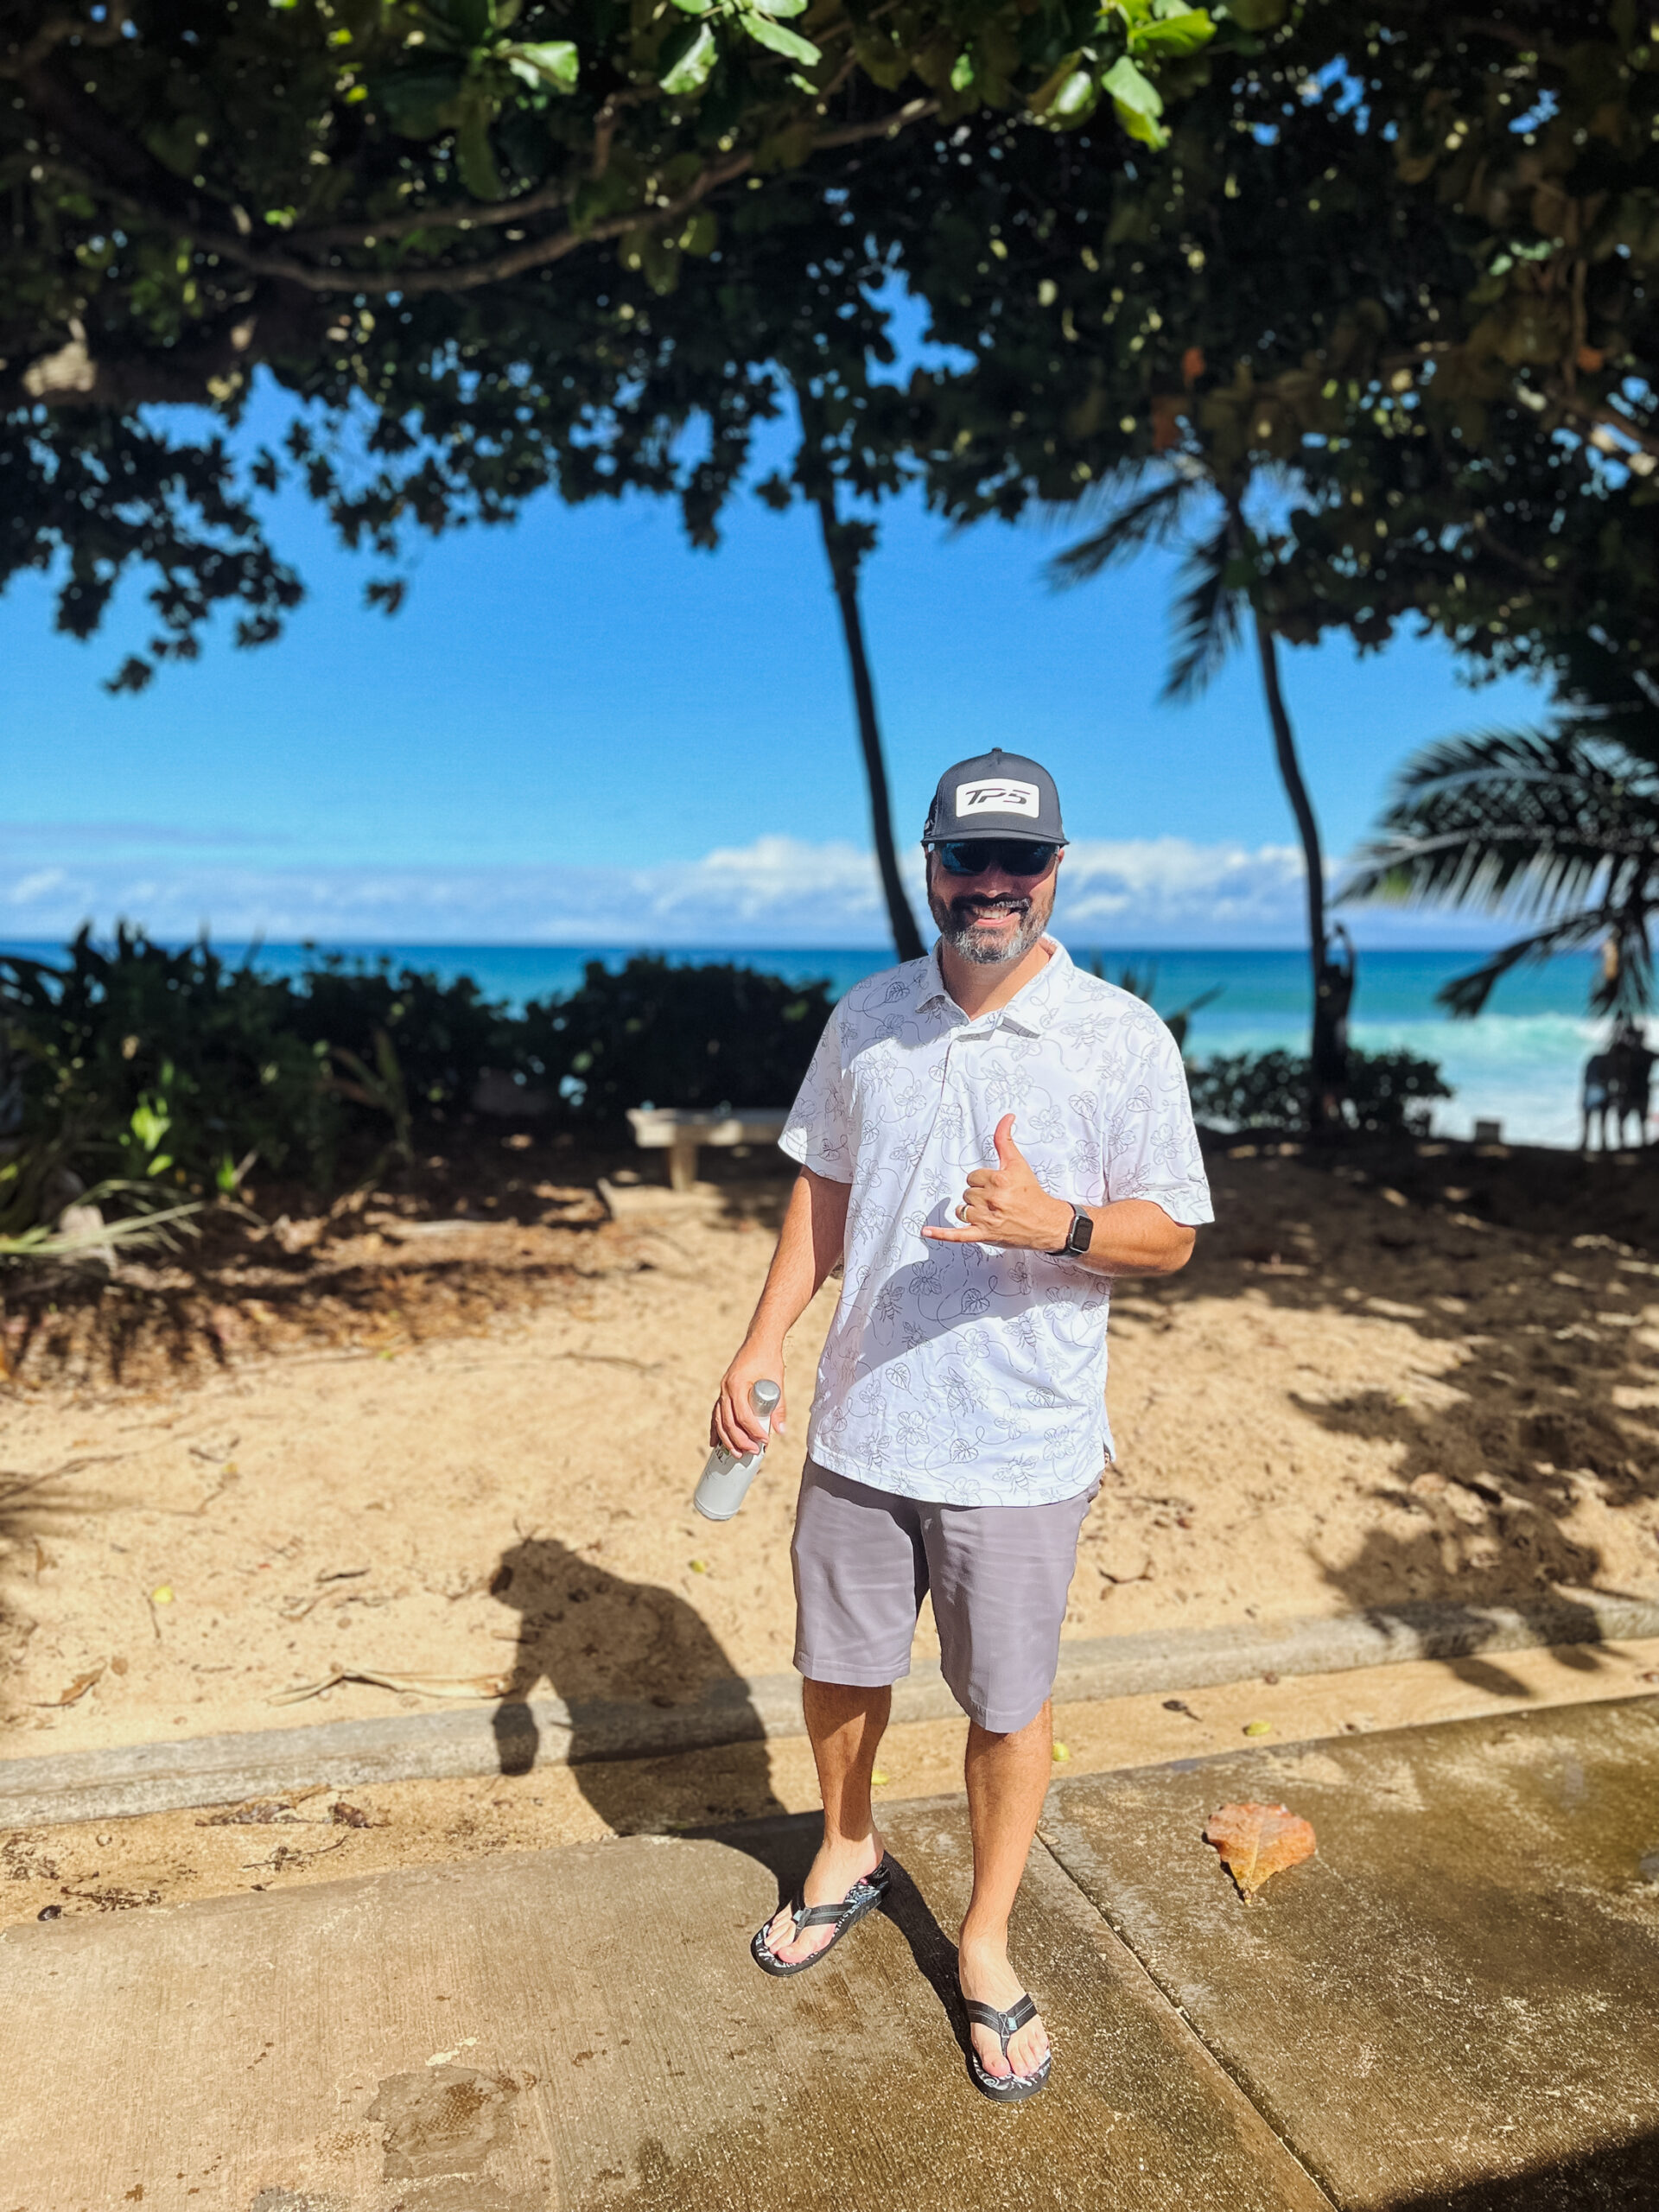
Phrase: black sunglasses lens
(972, 855)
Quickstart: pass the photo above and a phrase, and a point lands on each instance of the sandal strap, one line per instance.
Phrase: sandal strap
(829, 1915)
(821, 1916)
(1003, 2026)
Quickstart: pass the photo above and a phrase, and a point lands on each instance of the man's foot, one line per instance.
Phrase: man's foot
(834, 1871)
(985, 1975)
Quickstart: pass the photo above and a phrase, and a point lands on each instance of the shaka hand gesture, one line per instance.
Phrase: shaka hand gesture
(1006, 1204)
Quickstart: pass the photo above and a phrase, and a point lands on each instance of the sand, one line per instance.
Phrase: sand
(91, 1866)
(1357, 1394)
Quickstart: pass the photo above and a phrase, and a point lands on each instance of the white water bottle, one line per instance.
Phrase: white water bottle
(726, 1479)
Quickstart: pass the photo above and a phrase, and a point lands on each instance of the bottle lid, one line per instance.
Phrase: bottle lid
(765, 1396)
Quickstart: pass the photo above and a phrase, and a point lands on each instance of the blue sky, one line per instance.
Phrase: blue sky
(579, 729)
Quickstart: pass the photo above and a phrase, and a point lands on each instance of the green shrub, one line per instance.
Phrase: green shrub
(1390, 1094)
(444, 1035)
(129, 1064)
(665, 1036)
(138, 1064)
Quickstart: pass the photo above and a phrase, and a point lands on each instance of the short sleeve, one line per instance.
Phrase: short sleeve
(1151, 1145)
(818, 1131)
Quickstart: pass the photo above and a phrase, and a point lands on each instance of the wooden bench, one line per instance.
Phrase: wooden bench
(658, 1129)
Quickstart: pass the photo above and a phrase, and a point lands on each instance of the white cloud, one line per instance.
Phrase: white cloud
(776, 891)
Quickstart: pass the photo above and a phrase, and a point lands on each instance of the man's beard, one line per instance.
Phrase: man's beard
(958, 927)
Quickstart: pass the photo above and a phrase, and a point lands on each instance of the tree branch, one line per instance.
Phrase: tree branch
(56, 28)
(534, 253)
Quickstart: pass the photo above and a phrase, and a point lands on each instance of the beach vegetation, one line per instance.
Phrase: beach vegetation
(1390, 1094)
(167, 1076)
(655, 1033)
(1557, 828)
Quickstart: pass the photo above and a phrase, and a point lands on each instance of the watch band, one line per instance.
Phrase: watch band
(1079, 1237)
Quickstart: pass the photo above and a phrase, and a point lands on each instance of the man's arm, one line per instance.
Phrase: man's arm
(808, 1244)
(1007, 1206)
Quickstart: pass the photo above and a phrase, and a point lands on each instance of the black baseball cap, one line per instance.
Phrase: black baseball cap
(996, 794)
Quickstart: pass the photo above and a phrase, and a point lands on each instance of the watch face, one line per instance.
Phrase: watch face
(1083, 1231)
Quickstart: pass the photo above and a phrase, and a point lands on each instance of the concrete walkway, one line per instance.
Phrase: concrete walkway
(1451, 2006)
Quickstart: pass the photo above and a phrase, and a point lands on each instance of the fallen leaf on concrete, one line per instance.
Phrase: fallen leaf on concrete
(78, 1688)
(420, 1685)
(1258, 1727)
(1256, 1841)
(1060, 1752)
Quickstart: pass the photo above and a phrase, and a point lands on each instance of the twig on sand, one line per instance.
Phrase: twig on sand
(419, 1685)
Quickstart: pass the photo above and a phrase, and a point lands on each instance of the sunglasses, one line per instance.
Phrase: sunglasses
(1013, 855)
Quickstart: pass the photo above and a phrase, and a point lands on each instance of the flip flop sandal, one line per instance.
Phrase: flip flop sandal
(1005, 2088)
(864, 1897)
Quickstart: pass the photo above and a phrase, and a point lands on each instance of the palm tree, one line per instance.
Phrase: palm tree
(1558, 827)
(1224, 574)
(845, 544)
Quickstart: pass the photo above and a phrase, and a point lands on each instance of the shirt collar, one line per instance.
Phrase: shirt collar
(1032, 1007)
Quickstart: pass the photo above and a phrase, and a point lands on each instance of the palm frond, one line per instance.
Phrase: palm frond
(1465, 996)
(1206, 617)
(1525, 822)
(1154, 518)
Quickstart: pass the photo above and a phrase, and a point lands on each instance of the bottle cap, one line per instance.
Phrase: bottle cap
(765, 1396)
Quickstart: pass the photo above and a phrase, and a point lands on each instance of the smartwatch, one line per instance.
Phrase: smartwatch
(1078, 1237)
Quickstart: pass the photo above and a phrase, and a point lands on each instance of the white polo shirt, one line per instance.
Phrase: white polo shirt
(965, 1373)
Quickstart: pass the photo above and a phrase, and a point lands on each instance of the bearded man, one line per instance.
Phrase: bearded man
(986, 1138)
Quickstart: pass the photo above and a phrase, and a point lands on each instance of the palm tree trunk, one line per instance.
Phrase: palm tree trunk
(1328, 1058)
(843, 556)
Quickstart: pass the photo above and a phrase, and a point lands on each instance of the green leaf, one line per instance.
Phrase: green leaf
(1135, 97)
(1254, 15)
(765, 32)
(694, 6)
(1181, 34)
(781, 7)
(414, 100)
(475, 155)
(691, 53)
(554, 61)
(1075, 98)
(962, 75)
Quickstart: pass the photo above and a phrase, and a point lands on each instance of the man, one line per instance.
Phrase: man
(986, 1138)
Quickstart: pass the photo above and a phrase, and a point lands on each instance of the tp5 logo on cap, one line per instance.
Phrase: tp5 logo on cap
(1003, 796)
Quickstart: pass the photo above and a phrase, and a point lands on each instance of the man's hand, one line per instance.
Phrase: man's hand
(734, 1424)
(1006, 1204)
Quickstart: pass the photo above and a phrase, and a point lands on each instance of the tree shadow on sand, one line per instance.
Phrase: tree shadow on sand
(1545, 1411)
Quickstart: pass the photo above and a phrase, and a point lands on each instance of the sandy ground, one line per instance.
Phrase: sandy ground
(1354, 1396)
(318, 1836)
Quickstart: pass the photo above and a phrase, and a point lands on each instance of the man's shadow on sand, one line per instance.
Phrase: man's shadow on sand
(617, 1653)
(599, 1642)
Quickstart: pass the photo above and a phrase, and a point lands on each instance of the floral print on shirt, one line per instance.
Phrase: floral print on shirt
(963, 1373)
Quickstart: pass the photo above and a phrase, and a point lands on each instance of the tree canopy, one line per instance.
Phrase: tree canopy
(395, 206)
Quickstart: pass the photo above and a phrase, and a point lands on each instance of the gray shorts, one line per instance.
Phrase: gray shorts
(864, 1560)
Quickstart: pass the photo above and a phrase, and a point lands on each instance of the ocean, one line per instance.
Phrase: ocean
(1519, 1063)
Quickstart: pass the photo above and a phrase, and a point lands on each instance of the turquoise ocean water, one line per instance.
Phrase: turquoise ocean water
(1519, 1063)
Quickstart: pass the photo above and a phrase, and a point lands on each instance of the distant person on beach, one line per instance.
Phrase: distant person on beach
(987, 1137)
(1598, 1097)
(1632, 1083)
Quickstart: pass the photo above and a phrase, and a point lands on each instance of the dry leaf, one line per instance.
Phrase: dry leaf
(1257, 1842)
(78, 1688)
(421, 1685)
